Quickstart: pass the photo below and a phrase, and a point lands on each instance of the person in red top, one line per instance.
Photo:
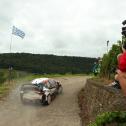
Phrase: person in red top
(122, 61)
(121, 58)
(121, 71)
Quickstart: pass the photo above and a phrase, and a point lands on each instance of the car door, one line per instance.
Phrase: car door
(53, 89)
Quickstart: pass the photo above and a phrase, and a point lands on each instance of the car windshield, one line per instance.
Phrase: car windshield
(40, 85)
(28, 87)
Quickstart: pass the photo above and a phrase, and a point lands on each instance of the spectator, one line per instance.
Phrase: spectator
(121, 72)
(96, 67)
(116, 84)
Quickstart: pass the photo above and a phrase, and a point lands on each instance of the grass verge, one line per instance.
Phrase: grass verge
(21, 77)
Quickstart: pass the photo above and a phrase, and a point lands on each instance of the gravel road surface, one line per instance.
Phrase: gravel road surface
(63, 110)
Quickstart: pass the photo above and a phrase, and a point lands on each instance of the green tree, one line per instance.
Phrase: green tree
(109, 61)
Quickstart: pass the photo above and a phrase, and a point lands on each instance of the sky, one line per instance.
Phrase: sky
(61, 27)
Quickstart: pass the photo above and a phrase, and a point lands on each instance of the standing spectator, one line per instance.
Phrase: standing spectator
(96, 67)
(94, 70)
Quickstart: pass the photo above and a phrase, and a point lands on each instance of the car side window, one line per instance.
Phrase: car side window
(52, 83)
(48, 85)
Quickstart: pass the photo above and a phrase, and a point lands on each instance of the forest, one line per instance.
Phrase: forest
(46, 64)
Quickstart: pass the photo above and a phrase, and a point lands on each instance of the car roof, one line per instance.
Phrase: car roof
(39, 80)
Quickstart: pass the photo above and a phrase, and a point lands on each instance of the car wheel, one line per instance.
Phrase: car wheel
(43, 99)
(22, 100)
(60, 90)
(48, 99)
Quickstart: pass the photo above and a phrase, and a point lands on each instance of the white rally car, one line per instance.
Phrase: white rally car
(40, 89)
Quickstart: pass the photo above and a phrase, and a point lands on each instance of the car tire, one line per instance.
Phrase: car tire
(43, 99)
(48, 99)
(22, 100)
(60, 90)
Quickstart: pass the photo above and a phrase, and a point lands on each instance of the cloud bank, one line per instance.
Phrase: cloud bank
(61, 27)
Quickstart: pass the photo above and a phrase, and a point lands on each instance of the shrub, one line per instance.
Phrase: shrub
(109, 61)
(2, 77)
(109, 118)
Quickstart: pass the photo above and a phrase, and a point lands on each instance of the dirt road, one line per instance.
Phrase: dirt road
(63, 111)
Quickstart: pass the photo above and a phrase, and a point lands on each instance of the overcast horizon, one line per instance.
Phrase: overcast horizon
(61, 27)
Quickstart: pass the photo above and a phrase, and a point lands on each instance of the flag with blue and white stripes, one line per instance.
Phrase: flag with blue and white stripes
(18, 32)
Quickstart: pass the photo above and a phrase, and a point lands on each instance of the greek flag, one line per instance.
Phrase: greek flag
(18, 32)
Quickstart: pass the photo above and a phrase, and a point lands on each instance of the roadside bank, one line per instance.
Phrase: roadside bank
(95, 98)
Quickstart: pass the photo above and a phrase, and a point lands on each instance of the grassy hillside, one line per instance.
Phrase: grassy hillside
(48, 64)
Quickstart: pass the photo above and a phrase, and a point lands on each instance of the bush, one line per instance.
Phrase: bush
(2, 77)
(109, 61)
(109, 118)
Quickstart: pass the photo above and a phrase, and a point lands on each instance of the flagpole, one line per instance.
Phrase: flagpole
(11, 42)
(10, 58)
(17, 32)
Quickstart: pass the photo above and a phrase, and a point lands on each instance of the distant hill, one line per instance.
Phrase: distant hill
(43, 63)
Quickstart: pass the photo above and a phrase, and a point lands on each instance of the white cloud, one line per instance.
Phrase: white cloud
(63, 27)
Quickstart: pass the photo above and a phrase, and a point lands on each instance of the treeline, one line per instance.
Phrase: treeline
(48, 64)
